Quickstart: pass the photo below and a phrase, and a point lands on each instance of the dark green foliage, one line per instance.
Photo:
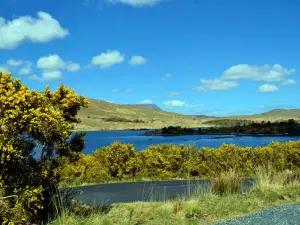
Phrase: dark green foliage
(290, 127)
(228, 122)
(124, 120)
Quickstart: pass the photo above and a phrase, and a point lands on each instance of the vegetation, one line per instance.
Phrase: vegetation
(224, 202)
(120, 162)
(124, 120)
(290, 127)
(28, 119)
(228, 122)
(100, 116)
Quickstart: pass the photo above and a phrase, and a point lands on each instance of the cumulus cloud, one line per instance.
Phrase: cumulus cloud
(267, 88)
(137, 60)
(108, 59)
(288, 82)
(42, 29)
(50, 63)
(25, 71)
(215, 85)
(268, 73)
(136, 3)
(177, 103)
(48, 75)
(14, 63)
(72, 67)
(174, 103)
(167, 76)
(146, 101)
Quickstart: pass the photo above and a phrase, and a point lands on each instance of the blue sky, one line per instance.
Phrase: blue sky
(210, 57)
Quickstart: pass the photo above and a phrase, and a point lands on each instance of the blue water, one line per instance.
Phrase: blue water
(98, 139)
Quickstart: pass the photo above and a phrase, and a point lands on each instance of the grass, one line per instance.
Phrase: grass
(227, 183)
(223, 201)
(101, 115)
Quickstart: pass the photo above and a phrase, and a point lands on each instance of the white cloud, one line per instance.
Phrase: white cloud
(129, 90)
(174, 94)
(177, 103)
(50, 63)
(115, 90)
(52, 75)
(26, 68)
(72, 67)
(267, 88)
(51, 66)
(42, 29)
(288, 82)
(167, 76)
(25, 71)
(268, 73)
(174, 103)
(137, 60)
(48, 75)
(146, 102)
(108, 58)
(14, 63)
(215, 85)
(136, 3)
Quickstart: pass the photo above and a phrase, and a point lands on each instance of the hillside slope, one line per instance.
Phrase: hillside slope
(145, 106)
(283, 113)
(101, 115)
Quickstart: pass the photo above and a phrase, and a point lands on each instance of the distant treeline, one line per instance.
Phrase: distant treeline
(228, 122)
(121, 162)
(117, 119)
(290, 127)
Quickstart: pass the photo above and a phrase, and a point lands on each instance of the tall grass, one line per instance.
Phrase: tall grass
(227, 183)
(223, 200)
(268, 179)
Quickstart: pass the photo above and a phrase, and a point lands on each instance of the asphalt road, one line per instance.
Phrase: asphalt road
(105, 194)
(284, 215)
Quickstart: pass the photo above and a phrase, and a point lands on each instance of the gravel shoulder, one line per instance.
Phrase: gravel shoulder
(282, 215)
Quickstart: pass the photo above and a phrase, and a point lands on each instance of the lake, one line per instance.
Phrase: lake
(98, 139)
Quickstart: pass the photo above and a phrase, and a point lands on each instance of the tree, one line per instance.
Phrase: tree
(30, 119)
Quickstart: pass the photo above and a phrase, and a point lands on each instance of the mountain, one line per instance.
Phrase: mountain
(145, 106)
(204, 116)
(101, 115)
(283, 113)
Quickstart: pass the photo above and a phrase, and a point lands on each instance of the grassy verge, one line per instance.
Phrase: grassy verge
(225, 200)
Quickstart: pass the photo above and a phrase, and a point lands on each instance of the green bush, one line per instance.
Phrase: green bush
(121, 161)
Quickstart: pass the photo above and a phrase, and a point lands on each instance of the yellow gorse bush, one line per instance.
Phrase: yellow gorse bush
(120, 162)
(29, 118)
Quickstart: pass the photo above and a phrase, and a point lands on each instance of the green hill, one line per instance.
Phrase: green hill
(283, 113)
(145, 106)
(101, 115)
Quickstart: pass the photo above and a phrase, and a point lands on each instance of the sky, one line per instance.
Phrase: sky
(197, 57)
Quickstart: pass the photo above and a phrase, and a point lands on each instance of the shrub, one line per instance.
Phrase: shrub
(120, 161)
(117, 159)
(28, 119)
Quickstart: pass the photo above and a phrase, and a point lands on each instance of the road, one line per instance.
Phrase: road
(284, 215)
(105, 194)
